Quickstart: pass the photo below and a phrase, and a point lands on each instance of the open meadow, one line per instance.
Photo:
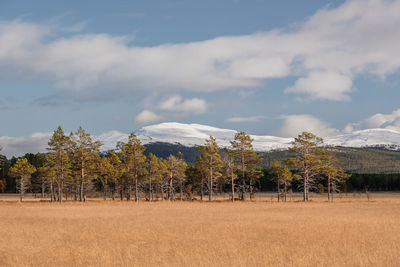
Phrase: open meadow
(352, 231)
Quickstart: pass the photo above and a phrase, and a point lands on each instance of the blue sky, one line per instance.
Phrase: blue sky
(266, 67)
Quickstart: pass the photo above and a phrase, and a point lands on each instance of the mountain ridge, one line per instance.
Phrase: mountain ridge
(195, 134)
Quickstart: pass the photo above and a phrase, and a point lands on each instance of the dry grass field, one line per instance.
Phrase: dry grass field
(349, 232)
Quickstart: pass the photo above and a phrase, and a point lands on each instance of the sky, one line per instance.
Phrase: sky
(264, 67)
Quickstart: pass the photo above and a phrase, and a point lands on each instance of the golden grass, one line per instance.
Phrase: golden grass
(345, 233)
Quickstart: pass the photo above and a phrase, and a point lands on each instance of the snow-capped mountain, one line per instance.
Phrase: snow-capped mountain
(195, 134)
(386, 138)
(110, 139)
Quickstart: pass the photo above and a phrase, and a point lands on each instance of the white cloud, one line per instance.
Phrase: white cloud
(293, 125)
(189, 105)
(385, 121)
(147, 116)
(323, 85)
(18, 146)
(245, 119)
(326, 52)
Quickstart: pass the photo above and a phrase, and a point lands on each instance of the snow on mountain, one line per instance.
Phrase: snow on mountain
(110, 139)
(195, 134)
(366, 138)
(185, 134)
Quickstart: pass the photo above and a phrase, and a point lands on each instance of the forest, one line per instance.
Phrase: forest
(74, 169)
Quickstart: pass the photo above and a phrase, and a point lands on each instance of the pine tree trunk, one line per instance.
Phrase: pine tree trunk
(62, 190)
(43, 189)
(201, 190)
(251, 189)
(128, 193)
(150, 189)
(305, 188)
(233, 187)
(279, 197)
(181, 189)
(329, 188)
(136, 189)
(84, 193)
(170, 188)
(104, 192)
(61, 187)
(308, 192)
(21, 189)
(54, 193)
(76, 190)
(210, 182)
(285, 192)
(81, 197)
(81, 191)
(59, 192)
(51, 191)
(242, 191)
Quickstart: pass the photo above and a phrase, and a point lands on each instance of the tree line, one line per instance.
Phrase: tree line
(74, 168)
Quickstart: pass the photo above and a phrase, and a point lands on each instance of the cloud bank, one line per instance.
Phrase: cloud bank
(187, 105)
(384, 121)
(294, 125)
(18, 146)
(147, 116)
(325, 53)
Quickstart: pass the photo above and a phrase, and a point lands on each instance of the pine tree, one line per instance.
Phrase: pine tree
(200, 174)
(212, 162)
(36, 160)
(22, 171)
(133, 159)
(84, 150)
(181, 174)
(175, 168)
(282, 175)
(163, 182)
(48, 176)
(117, 173)
(334, 174)
(193, 178)
(154, 173)
(105, 173)
(308, 160)
(247, 162)
(230, 170)
(59, 160)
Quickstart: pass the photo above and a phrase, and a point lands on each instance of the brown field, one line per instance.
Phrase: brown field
(350, 232)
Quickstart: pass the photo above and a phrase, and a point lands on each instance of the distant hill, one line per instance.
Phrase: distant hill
(163, 150)
(354, 160)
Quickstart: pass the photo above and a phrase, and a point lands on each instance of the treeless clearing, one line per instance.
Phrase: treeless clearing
(356, 233)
